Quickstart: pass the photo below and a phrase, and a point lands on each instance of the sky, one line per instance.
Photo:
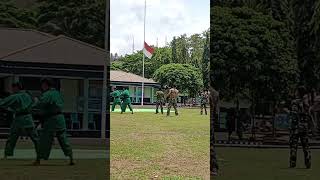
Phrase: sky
(164, 19)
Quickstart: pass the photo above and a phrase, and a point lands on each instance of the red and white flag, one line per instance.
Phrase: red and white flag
(148, 50)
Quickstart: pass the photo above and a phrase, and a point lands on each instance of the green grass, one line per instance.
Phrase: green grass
(53, 170)
(153, 146)
(264, 164)
(56, 168)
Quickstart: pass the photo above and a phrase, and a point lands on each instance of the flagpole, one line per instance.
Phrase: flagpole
(144, 40)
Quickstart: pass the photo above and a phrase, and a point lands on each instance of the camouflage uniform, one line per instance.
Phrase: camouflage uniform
(203, 102)
(173, 94)
(160, 101)
(299, 129)
(214, 100)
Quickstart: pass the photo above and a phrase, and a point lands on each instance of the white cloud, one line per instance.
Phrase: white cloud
(165, 18)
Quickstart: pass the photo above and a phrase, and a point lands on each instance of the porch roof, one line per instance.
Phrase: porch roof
(124, 77)
(58, 50)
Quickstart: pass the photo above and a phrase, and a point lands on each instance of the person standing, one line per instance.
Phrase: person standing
(172, 101)
(300, 128)
(116, 99)
(126, 101)
(20, 102)
(53, 122)
(203, 102)
(160, 100)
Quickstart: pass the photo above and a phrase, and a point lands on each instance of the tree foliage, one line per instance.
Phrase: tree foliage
(14, 17)
(82, 20)
(185, 77)
(252, 54)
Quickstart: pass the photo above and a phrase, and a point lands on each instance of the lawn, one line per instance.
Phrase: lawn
(90, 158)
(153, 146)
(264, 164)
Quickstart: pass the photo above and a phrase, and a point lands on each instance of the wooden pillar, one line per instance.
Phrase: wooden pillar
(152, 95)
(136, 91)
(86, 104)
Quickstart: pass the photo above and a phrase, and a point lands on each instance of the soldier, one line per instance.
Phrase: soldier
(51, 106)
(160, 100)
(214, 101)
(203, 102)
(20, 102)
(300, 128)
(116, 99)
(126, 101)
(172, 101)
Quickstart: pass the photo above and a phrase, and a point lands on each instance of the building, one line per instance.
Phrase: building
(122, 79)
(76, 67)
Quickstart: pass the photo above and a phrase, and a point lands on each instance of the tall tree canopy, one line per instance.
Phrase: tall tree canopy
(185, 77)
(14, 17)
(82, 20)
(252, 54)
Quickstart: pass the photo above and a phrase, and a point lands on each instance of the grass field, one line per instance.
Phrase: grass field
(153, 146)
(264, 164)
(91, 164)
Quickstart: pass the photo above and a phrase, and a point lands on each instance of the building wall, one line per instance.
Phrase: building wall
(135, 92)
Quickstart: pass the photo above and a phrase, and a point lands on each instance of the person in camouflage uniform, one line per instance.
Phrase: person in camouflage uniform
(300, 128)
(172, 101)
(20, 102)
(116, 98)
(126, 101)
(53, 122)
(214, 101)
(203, 102)
(160, 101)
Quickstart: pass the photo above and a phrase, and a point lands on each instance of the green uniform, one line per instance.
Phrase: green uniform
(22, 124)
(126, 101)
(172, 102)
(116, 99)
(300, 128)
(160, 101)
(51, 105)
(203, 103)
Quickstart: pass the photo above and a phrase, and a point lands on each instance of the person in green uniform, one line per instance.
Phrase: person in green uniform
(160, 101)
(116, 98)
(53, 122)
(126, 101)
(20, 103)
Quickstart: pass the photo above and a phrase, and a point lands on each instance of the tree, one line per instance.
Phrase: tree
(206, 63)
(174, 50)
(11, 16)
(185, 77)
(252, 55)
(82, 20)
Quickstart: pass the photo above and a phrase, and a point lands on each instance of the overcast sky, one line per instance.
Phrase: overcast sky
(165, 18)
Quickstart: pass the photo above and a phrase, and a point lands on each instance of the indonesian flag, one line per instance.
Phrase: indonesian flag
(148, 50)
